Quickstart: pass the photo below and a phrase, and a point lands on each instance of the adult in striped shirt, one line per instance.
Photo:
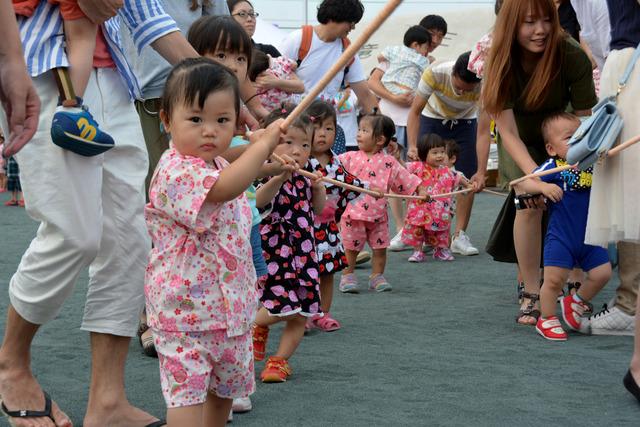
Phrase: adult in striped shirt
(18, 96)
(446, 104)
(90, 211)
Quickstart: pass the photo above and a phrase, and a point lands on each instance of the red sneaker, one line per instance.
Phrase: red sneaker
(276, 370)
(260, 335)
(573, 311)
(551, 329)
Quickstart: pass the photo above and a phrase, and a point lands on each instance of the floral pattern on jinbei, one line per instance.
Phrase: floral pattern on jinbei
(289, 249)
(331, 256)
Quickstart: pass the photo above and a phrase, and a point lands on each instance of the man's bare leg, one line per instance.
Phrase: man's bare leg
(18, 387)
(108, 405)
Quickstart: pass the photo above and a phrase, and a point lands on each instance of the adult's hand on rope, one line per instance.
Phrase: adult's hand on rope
(412, 154)
(99, 11)
(479, 180)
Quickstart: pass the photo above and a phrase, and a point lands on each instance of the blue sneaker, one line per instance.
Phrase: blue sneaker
(74, 129)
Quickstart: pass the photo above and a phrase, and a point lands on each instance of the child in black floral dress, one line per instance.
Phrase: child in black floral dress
(291, 290)
(331, 257)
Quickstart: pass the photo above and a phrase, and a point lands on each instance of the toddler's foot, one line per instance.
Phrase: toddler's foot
(573, 311)
(241, 404)
(276, 370)
(417, 256)
(551, 329)
(260, 336)
(74, 129)
(443, 254)
(349, 284)
(379, 284)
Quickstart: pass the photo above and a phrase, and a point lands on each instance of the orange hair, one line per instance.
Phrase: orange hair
(505, 51)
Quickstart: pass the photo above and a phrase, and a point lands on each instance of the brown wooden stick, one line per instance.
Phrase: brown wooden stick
(346, 56)
(453, 193)
(542, 173)
(495, 193)
(618, 148)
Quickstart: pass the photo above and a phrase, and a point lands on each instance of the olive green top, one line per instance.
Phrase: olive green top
(573, 86)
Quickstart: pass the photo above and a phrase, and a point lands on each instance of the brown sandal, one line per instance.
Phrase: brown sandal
(529, 310)
(148, 348)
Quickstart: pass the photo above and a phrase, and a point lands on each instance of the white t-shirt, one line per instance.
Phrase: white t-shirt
(395, 112)
(321, 57)
(347, 115)
(595, 29)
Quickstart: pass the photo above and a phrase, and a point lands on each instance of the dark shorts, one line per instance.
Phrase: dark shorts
(563, 254)
(463, 132)
(256, 249)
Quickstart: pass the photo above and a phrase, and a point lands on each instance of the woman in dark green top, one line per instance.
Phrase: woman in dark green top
(534, 69)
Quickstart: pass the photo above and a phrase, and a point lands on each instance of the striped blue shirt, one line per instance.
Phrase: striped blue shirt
(42, 36)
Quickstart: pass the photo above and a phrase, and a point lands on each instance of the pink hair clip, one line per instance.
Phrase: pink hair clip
(312, 118)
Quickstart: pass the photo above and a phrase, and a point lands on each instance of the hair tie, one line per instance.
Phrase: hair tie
(312, 118)
(394, 139)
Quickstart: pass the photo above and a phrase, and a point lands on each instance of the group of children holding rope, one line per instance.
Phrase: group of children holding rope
(238, 225)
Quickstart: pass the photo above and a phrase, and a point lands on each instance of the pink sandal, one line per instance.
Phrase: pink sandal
(326, 323)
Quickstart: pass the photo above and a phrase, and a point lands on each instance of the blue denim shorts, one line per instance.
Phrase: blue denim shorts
(256, 249)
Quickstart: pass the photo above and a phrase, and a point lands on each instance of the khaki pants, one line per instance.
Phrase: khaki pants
(157, 140)
(629, 272)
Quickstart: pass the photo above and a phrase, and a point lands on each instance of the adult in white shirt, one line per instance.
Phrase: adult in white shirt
(336, 19)
(595, 29)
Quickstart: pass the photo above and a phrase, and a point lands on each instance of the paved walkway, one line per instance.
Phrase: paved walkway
(441, 349)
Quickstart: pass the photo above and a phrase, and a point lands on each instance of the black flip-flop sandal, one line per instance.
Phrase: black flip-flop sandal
(148, 347)
(27, 413)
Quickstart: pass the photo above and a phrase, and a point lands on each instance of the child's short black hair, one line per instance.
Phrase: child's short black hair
(417, 34)
(427, 142)
(193, 79)
(302, 122)
(461, 69)
(211, 33)
(381, 126)
(453, 150)
(552, 118)
(340, 11)
(434, 22)
(320, 110)
(259, 64)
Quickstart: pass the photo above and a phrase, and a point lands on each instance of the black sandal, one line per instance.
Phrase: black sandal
(530, 309)
(26, 413)
(148, 348)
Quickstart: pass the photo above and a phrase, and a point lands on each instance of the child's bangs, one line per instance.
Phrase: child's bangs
(234, 41)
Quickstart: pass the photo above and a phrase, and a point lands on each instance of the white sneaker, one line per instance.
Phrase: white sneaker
(396, 244)
(462, 245)
(230, 417)
(241, 404)
(609, 321)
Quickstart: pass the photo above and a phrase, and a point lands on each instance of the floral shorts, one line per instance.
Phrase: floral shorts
(414, 235)
(356, 233)
(193, 364)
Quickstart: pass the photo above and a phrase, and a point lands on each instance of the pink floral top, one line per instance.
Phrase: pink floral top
(281, 68)
(479, 55)
(381, 171)
(200, 275)
(436, 214)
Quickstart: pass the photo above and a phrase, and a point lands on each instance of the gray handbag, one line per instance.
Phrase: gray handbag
(597, 134)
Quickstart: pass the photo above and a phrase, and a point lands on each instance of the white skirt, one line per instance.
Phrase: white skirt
(614, 209)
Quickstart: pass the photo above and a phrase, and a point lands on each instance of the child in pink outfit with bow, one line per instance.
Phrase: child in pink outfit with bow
(428, 222)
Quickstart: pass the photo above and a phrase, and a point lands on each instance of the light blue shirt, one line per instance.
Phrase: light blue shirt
(43, 41)
(150, 68)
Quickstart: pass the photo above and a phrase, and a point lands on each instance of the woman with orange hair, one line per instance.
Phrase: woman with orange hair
(533, 70)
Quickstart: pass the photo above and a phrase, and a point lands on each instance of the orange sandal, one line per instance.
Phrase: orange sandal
(260, 336)
(277, 370)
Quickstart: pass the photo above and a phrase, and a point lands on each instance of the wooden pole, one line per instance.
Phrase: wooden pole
(542, 173)
(346, 56)
(618, 148)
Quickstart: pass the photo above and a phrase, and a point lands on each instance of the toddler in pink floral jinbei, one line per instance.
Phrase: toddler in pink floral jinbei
(200, 281)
